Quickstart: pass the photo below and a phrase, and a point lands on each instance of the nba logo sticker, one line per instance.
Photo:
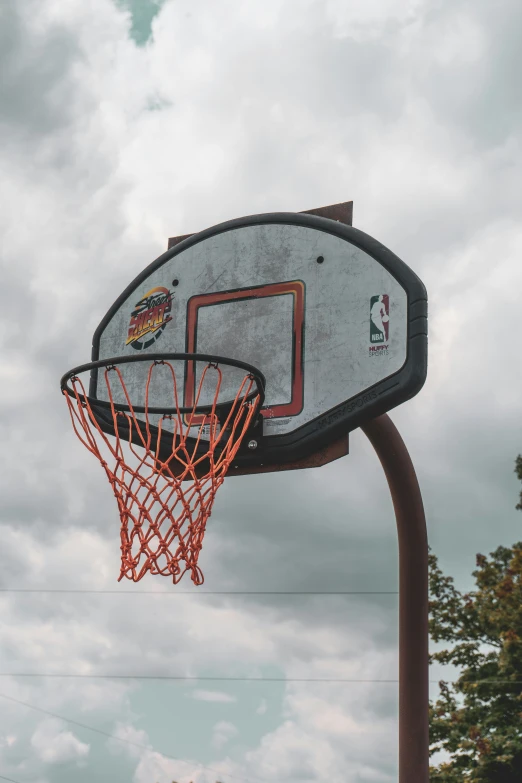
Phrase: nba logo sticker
(379, 318)
(379, 323)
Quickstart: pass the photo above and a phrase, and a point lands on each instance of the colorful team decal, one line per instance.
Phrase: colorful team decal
(379, 324)
(149, 318)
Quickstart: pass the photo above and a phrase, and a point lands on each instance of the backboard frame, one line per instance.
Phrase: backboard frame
(312, 440)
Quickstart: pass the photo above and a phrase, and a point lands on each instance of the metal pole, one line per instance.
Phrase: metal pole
(413, 598)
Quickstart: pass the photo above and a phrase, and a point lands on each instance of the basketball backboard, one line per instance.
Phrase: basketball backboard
(333, 319)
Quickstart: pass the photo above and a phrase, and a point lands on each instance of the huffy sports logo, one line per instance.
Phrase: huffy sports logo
(149, 318)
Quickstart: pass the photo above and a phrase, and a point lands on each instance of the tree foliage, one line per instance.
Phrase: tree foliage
(478, 719)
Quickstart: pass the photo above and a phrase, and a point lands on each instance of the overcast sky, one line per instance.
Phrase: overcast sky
(124, 123)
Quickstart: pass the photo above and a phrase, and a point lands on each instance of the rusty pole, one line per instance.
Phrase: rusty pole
(413, 598)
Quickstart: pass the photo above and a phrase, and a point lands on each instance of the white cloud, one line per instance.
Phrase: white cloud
(130, 740)
(369, 21)
(54, 745)
(201, 695)
(326, 739)
(156, 767)
(262, 708)
(222, 733)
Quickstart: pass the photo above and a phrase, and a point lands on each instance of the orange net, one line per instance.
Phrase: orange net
(166, 487)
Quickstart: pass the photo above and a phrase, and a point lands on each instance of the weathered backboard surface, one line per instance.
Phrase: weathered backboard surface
(335, 321)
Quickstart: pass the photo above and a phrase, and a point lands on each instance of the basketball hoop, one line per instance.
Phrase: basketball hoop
(165, 488)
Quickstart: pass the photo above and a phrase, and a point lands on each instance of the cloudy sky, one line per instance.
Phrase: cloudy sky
(123, 123)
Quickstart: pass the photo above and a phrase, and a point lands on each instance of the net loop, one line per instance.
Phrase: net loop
(164, 479)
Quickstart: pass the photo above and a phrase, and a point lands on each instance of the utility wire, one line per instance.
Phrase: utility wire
(118, 739)
(174, 678)
(199, 592)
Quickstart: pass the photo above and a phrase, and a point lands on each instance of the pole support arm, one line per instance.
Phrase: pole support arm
(413, 598)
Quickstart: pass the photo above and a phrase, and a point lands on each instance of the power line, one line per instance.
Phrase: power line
(198, 592)
(183, 678)
(2, 777)
(118, 739)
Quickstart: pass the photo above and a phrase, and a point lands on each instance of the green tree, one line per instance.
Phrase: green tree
(478, 719)
(518, 471)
